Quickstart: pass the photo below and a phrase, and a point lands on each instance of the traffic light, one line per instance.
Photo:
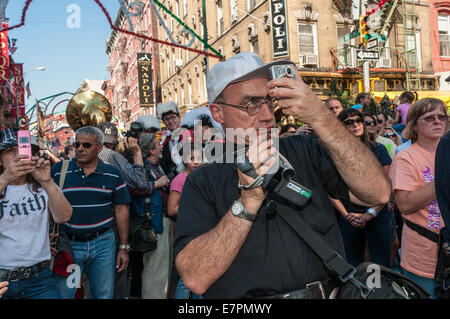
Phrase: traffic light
(363, 30)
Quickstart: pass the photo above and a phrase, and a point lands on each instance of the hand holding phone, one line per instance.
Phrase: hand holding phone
(24, 143)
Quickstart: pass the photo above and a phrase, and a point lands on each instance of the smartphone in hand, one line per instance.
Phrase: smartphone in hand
(24, 143)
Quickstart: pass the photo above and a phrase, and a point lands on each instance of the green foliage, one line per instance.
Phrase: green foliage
(341, 94)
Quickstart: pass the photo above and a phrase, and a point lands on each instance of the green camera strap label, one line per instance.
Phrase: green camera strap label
(299, 190)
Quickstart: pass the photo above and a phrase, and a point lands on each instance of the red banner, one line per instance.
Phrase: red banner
(4, 56)
(18, 84)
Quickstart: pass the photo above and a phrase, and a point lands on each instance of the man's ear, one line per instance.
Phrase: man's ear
(217, 112)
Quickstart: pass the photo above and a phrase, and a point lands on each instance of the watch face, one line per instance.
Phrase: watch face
(237, 208)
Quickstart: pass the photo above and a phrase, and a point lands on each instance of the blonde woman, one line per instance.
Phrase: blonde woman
(412, 174)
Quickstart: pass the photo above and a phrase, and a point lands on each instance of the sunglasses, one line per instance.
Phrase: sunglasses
(389, 135)
(86, 145)
(369, 123)
(380, 121)
(351, 122)
(431, 118)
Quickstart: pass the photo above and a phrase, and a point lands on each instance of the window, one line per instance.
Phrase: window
(307, 39)
(251, 4)
(177, 5)
(188, 57)
(219, 19)
(168, 67)
(385, 54)
(344, 51)
(410, 45)
(183, 97)
(254, 47)
(234, 11)
(190, 92)
(444, 34)
(185, 10)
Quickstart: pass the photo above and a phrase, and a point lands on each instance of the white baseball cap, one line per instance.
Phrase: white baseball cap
(241, 67)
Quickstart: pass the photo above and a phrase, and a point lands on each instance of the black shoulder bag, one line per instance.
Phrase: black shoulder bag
(353, 283)
(442, 272)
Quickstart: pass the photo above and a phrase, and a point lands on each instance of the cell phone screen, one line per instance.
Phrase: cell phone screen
(24, 140)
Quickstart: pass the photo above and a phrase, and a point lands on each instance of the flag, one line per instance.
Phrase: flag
(13, 41)
(27, 88)
(12, 50)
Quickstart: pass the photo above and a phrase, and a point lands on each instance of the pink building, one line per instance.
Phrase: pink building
(440, 34)
(122, 90)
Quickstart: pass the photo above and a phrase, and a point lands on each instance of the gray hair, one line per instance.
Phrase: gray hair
(91, 130)
(147, 143)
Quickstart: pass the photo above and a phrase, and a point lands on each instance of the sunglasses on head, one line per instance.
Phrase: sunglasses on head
(86, 145)
(369, 123)
(352, 121)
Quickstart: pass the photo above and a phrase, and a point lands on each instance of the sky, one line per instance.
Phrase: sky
(69, 55)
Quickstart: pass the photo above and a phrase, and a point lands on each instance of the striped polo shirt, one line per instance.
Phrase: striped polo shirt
(92, 197)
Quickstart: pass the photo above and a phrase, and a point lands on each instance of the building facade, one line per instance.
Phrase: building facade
(440, 35)
(310, 33)
(123, 89)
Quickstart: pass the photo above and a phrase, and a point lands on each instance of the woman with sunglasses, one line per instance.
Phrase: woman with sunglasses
(390, 133)
(412, 175)
(28, 195)
(372, 125)
(361, 224)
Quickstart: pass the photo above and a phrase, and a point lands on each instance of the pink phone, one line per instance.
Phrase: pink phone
(24, 143)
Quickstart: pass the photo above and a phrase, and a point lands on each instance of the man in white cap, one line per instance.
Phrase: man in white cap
(228, 243)
(169, 113)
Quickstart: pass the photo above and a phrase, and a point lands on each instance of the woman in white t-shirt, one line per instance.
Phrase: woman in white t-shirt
(27, 194)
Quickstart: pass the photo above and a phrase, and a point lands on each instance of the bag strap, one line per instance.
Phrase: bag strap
(329, 257)
(62, 177)
(336, 266)
(422, 231)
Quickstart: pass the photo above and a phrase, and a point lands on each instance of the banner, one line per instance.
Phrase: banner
(18, 83)
(144, 63)
(4, 54)
(279, 28)
(16, 114)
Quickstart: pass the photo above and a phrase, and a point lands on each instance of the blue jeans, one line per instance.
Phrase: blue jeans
(183, 293)
(40, 286)
(98, 259)
(378, 234)
(427, 283)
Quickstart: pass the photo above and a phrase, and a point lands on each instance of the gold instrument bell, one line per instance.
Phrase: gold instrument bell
(88, 108)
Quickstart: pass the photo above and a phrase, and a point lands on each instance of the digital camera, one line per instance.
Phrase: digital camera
(283, 71)
(135, 130)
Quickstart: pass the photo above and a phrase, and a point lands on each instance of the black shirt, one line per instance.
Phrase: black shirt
(442, 176)
(273, 259)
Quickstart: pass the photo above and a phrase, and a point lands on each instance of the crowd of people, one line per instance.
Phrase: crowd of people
(154, 218)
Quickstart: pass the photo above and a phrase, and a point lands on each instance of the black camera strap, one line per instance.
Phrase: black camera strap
(333, 262)
(330, 258)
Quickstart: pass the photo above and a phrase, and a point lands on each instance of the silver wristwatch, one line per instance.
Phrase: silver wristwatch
(239, 210)
(124, 247)
(372, 212)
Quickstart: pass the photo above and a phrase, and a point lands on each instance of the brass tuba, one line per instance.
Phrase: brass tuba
(88, 108)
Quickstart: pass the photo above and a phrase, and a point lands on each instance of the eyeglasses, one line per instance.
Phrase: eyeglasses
(431, 118)
(254, 107)
(86, 145)
(369, 123)
(389, 135)
(353, 121)
(380, 121)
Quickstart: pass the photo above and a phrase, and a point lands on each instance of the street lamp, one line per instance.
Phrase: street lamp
(39, 68)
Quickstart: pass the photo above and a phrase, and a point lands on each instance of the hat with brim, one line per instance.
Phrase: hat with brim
(8, 138)
(241, 67)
